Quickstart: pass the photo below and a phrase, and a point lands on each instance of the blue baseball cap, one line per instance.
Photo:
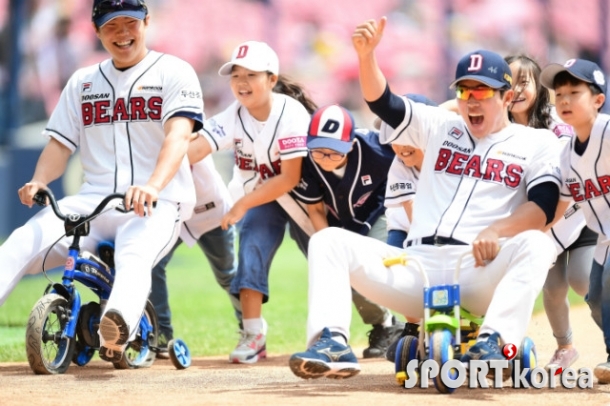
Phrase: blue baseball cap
(331, 127)
(486, 67)
(581, 69)
(106, 10)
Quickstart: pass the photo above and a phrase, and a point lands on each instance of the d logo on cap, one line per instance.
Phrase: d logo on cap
(331, 127)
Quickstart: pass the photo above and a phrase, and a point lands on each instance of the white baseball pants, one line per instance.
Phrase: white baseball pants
(140, 242)
(504, 291)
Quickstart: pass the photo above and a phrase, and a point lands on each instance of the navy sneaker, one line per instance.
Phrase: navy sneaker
(486, 350)
(325, 358)
(115, 333)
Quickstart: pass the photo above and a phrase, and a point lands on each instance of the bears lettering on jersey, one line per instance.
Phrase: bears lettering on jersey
(494, 170)
(134, 109)
(589, 189)
(249, 164)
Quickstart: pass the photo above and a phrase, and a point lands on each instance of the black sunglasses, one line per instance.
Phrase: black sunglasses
(110, 6)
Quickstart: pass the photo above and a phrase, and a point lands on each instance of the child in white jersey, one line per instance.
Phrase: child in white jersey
(574, 241)
(267, 130)
(580, 88)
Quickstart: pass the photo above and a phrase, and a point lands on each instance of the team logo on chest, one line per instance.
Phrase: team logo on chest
(99, 109)
(366, 180)
(456, 133)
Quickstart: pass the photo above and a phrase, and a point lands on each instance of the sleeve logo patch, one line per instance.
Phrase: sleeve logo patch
(190, 94)
(294, 142)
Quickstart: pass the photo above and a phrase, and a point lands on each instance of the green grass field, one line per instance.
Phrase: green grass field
(202, 313)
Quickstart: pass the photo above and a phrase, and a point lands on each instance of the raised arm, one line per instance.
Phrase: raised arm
(365, 38)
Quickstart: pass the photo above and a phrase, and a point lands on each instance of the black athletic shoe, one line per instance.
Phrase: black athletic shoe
(381, 337)
(411, 329)
(162, 342)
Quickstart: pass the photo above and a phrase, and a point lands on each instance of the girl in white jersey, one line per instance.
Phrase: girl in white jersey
(574, 241)
(267, 130)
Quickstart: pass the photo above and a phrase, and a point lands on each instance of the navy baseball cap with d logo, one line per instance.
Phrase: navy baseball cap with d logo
(486, 67)
(106, 10)
(581, 69)
(331, 127)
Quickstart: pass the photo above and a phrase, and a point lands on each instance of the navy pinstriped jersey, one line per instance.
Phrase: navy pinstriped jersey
(355, 201)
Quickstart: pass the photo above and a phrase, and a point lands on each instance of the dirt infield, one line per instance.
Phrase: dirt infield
(213, 381)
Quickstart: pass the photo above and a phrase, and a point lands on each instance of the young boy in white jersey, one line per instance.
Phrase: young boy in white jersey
(468, 158)
(580, 88)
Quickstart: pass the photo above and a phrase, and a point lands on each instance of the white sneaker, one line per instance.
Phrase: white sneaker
(563, 358)
(250, 348)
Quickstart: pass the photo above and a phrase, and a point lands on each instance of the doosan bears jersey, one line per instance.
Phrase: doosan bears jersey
(259, 150)
(499, 168)
(567, 230)
(586, 180)
(113, 116)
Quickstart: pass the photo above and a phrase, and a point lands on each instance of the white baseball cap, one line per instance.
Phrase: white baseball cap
(253, 55)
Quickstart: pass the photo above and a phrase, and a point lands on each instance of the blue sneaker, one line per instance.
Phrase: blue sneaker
(488, 350)
(325, 358)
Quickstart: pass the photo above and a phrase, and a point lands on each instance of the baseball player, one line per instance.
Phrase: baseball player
(203, 228)
(267, 131)
(132, 117)
(580, 88)
(343, 184)
(574, 241)
(468, 159)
